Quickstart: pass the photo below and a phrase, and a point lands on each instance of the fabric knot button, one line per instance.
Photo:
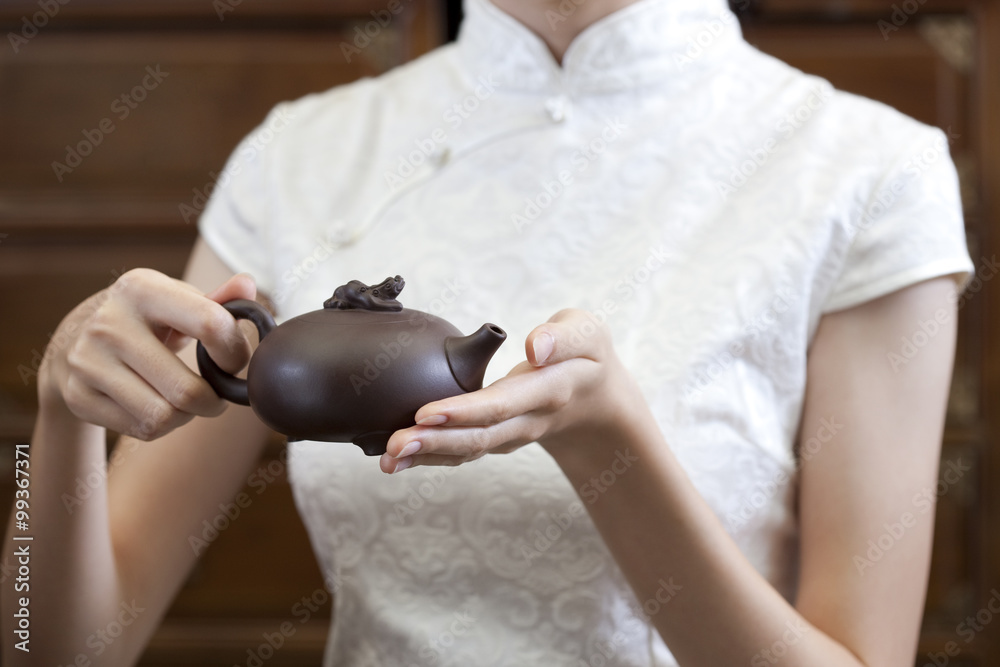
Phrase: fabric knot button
(441, 156)
(557, 108)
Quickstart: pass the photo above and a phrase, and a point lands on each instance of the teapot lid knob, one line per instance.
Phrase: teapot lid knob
(356, 295)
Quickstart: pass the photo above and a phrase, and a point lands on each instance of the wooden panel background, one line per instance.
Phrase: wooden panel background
(63, 240)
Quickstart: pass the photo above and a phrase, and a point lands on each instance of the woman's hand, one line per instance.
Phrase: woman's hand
(112, 361)
(572, 387)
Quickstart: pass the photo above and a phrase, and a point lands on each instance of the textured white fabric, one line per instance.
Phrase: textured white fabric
(707, 199)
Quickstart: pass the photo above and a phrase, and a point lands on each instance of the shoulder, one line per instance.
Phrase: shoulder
(841, 143)
(366, 105)
(331, 141)
(809, 109)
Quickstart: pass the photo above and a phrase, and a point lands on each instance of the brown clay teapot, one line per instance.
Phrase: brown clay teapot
(355, 371)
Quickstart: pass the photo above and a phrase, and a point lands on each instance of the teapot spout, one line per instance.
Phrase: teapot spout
(469, 356)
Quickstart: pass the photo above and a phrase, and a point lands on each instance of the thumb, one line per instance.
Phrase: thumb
(568, 334)
(240, 286)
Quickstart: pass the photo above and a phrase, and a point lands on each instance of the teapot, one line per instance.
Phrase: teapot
(355, 371)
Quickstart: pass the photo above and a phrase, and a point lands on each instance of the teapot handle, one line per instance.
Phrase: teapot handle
(226, 385)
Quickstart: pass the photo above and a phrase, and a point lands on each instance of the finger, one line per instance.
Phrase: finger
(568, 334)
(174, 304)
(116, 398)
(392, 466)
(545, 389)
(170, 377)
(463, 443)
(239, 286)
(94, 407)
(120, 383)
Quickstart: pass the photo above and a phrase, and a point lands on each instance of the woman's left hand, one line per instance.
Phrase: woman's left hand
(572, 385)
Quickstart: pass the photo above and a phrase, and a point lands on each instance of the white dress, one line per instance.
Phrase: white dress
(709, 201)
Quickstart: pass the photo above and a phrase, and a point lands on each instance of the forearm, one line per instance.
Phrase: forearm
(72, 583)
(660, 529)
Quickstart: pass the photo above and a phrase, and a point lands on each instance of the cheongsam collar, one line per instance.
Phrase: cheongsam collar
(645, 43)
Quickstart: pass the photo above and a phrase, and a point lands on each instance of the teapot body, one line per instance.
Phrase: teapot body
(350, 375)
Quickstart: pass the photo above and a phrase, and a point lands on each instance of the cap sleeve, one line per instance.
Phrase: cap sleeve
(910, 229)
(236, 220)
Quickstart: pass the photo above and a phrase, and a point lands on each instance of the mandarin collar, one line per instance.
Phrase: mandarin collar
(646, 43)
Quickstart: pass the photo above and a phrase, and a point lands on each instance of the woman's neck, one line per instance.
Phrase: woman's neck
(558, 22)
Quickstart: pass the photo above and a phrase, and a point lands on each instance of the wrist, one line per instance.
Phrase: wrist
(614, 418)
(52, 407)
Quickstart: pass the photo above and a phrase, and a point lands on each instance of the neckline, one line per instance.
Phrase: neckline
(646, 42)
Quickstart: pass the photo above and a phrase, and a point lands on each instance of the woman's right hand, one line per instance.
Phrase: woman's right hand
(113, 360)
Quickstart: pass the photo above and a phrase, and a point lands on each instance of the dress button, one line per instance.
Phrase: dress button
(557, 108)
(441, 156)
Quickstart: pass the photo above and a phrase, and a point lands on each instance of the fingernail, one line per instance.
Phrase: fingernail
(542, 346)
(433, 420)
(402, 464)
(410, 449)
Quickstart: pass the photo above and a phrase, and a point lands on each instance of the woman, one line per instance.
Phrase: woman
(711, 259)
